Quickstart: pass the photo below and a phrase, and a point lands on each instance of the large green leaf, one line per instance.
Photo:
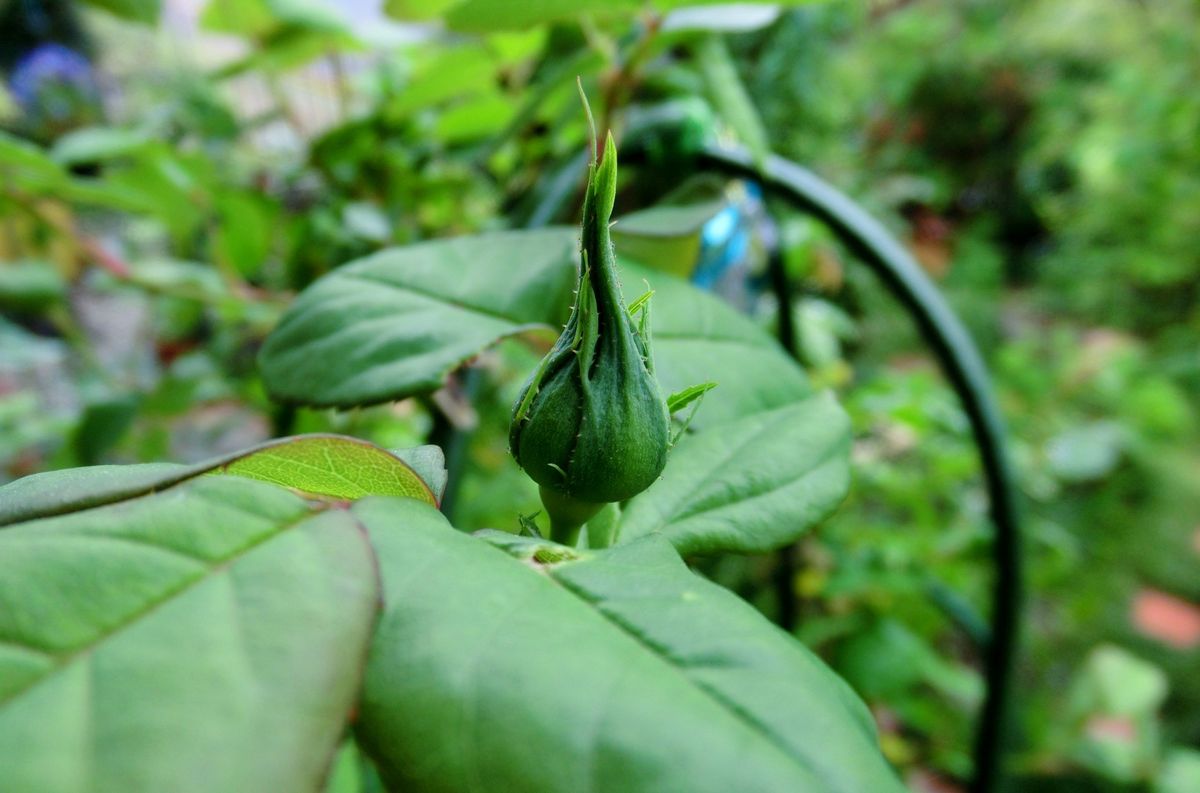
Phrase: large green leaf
(207, 638)
(618, 671)
(326, 466)
(394, 324)
(749, 485)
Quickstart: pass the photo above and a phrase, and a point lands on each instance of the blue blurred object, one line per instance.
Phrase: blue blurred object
(55, 86)
(724, 241)
(726, 264)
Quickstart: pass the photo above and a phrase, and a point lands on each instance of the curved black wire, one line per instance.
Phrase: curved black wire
(964, 368)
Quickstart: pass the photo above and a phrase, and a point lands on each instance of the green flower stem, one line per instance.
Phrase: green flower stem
(567, 515)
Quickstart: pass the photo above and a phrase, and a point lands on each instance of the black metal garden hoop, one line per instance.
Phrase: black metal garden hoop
(963, 366)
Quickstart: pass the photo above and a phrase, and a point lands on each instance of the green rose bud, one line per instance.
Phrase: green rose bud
(591, 425)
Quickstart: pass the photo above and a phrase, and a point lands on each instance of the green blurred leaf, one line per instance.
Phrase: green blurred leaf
(179, 278)
(143, 11)
(287, 33)
(668, 682)
(26, 167)
(96, 144)
(1117, 683)
(478, 117)
(457, 72)
(168, 185)
(30, 286)
(256, 18)
(729, 96)
(1180, 772)
(1086, 453)
(241, 17)
(417, 10)
(102, 424)
(208, 638)
(666, 238)
(483, 16)
(246, 230)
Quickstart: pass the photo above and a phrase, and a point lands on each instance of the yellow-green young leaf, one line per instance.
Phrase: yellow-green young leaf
(328, 466)
(686, 396)
(616, 671)
(416, 10)
(206, 639)
(331, 466)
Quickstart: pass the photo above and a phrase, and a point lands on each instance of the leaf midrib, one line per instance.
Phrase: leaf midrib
(663, 655)
(213, 569)
(371, 278)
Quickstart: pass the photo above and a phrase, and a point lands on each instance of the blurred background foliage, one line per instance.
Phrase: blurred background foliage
(171, 173)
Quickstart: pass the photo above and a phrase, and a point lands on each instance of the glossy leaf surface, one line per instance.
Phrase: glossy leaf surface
(396, 323)
(748, 485)
(206, 638)
(618, 671)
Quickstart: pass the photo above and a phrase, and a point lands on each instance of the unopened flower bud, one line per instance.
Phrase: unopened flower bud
(591, 424)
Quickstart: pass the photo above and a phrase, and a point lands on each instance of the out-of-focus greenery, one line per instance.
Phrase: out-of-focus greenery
(1039, 156)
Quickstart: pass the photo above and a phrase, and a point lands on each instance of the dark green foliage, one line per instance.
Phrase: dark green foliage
(358, 230)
